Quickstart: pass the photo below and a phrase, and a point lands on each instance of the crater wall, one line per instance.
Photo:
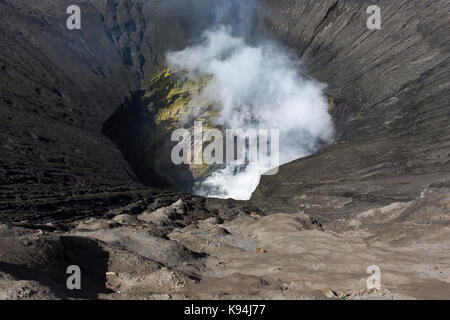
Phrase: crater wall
(390, 90)
(59, 86)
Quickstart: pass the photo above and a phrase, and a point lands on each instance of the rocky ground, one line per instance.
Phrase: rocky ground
(378, 196)
(174, 252)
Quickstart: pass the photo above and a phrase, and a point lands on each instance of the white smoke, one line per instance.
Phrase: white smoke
(256, 87)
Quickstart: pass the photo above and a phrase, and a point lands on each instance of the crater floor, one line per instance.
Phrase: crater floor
(139, 253)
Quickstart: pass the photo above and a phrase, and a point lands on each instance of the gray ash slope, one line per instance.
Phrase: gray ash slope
(66, 189)
(58, 88)
(391, 102)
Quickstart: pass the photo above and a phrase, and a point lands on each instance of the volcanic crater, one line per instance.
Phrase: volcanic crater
(86, 180)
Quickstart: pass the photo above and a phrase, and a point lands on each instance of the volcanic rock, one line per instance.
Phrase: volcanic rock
(379, 196)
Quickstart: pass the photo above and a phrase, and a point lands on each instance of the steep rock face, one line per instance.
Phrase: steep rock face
(390, 89)
(58, 86)
(142, 128)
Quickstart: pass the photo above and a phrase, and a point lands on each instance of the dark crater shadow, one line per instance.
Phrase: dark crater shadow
(132, 129)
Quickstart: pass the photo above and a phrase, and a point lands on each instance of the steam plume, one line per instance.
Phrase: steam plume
(256, 86)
